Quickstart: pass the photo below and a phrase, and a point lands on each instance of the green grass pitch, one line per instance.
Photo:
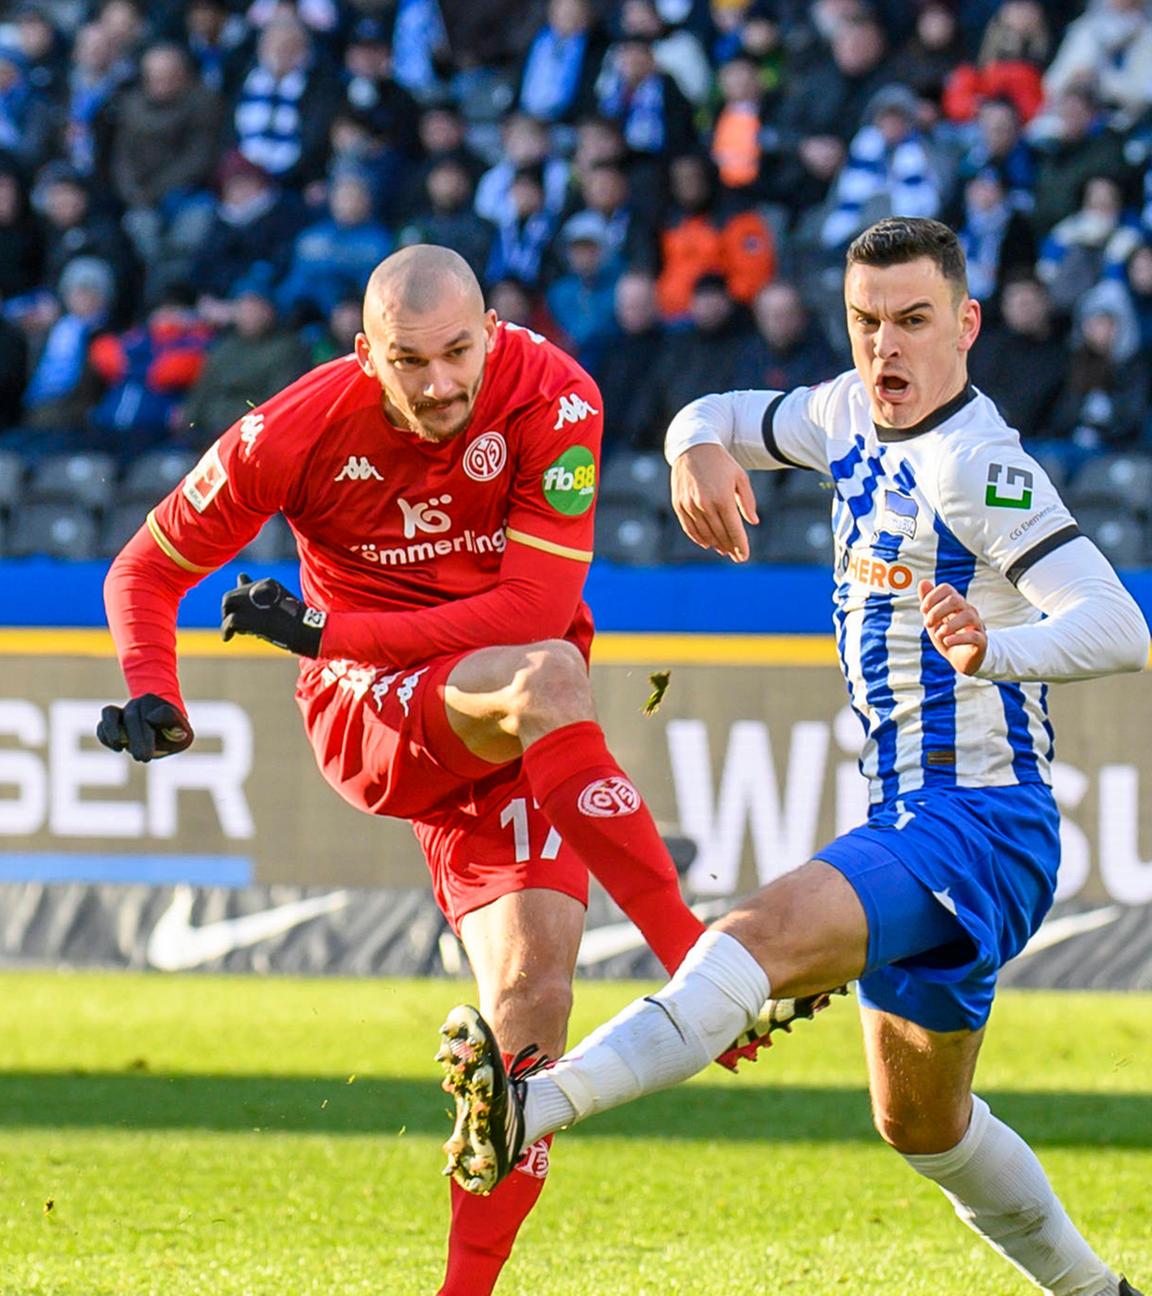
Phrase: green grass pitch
(204, 1136)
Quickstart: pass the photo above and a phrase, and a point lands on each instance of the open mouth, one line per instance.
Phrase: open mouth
(891, 386)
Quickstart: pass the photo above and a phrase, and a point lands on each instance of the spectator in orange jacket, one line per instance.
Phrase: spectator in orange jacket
(710, 235)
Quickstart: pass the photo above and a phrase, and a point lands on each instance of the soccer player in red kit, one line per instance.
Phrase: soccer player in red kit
(440, 484)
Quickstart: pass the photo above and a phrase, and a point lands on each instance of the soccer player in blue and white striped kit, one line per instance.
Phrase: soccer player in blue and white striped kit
(963, 587)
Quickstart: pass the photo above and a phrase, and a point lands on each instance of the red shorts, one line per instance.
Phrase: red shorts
(383, 741)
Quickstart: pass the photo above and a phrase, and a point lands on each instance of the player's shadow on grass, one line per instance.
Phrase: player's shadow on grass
(137, 1100)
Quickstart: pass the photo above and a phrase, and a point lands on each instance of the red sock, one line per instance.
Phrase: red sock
(594, 807)
(484, 1228)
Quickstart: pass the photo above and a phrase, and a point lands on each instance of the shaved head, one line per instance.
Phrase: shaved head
(420, 279)
(426, 338)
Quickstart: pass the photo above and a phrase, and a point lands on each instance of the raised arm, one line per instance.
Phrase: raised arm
(714, 440)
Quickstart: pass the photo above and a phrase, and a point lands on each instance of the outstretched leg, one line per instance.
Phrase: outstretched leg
(923, 1106)
(801, 934)
(522, 948)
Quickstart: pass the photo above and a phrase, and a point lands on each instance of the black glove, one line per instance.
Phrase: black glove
(269, 611)
(146, 728)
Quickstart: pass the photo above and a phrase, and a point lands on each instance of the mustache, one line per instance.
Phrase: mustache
(421, 406)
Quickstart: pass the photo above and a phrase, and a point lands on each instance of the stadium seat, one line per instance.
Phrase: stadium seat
(275, 543)
(54, 530)
(1120, 535)
(798, 533)
(120, 525)
(766, 487)
(154, 474)
(797, 487)
(87, 478)
(629, 534)
(1053, 464)
(1114, 481)
(637, 475)
(677, 548)
(11, 479)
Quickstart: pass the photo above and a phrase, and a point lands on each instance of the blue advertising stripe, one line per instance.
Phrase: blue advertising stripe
(955, 566)
(154, 870)
(709, 598)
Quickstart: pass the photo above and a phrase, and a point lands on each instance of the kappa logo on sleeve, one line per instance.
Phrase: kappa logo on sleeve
(251, 425)
(533, 336)
(572, 409)
(569, 482)
(203, 483)
(1016, 491)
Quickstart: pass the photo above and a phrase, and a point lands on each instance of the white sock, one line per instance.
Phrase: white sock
(996, 1184)
(716, 993)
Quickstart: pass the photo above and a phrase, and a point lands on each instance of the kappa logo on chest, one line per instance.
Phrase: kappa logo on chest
(358, 468)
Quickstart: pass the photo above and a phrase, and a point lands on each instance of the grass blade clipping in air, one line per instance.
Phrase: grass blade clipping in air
(659, 681)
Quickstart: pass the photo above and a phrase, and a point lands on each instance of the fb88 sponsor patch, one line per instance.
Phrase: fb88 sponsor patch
(569, 482)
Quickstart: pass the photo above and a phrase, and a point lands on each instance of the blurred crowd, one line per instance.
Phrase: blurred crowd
(194, 192)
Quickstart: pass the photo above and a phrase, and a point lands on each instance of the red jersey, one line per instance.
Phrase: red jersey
(413, 548)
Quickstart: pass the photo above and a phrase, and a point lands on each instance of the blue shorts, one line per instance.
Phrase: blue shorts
(954, 882)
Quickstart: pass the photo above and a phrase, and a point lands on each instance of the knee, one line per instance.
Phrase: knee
(550, 688)
(914, 1131)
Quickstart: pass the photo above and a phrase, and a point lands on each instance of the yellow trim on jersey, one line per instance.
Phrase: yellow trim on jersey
(549, 546)
(169, 548)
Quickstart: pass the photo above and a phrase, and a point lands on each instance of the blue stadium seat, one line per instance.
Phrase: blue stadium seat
(150, 477)
(798, 533)
(1119, 534)
(637, 475)
(800, 487)
(120, 525)
(627, 533)
(54, 530)
(12, 471)
(83, 477)
(1053, 464)
(1122, 481)
(677, 548)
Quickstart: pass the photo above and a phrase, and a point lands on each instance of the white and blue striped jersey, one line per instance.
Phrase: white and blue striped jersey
(953, 499)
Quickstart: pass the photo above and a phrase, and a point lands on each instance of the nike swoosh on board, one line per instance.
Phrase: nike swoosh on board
(176, 943)
(1058, 930)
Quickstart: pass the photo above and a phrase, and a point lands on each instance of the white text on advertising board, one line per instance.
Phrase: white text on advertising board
(55, 777)
(773, 800)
